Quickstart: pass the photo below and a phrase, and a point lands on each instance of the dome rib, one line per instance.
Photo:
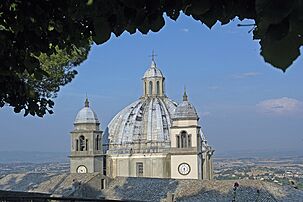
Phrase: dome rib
(149, 121)
(166, 123)
(146, 120)
(129, 126)
(117, 122)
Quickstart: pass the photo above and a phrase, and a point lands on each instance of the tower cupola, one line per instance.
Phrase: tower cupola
(185, 110)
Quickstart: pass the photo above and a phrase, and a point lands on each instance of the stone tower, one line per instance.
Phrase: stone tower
(86, 143)
(188, 147)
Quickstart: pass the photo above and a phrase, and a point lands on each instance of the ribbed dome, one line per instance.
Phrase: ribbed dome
(86, 115)
(185, 110)
(153, 71)
(146, 120)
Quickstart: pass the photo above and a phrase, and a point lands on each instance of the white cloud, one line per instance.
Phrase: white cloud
(185, 30)
(246, 75)
(280, 105)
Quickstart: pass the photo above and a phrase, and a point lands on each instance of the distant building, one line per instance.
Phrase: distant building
(152, 137)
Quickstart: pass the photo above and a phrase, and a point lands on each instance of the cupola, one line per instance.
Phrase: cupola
(153, 81)
(185, 110)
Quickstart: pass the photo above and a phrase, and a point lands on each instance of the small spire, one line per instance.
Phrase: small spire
(86, 104)
(185, 95)
(153, 64)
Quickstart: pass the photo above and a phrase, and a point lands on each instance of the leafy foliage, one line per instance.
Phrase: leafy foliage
(31, 31)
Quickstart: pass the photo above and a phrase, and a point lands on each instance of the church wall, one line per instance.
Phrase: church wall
(191, 160)
(98, 164)
(185, 123)
(86, 126)
(207, 167)
(154, 165)
(75, 162)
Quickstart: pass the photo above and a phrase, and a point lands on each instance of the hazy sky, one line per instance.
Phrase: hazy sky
(243, 103)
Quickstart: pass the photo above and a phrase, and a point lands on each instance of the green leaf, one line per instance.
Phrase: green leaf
(102, 30)
(31, 63)
(90, 2)
(144, 27)
(39, 73)
(199, 7)
(281, 53)
(274, 11)
(278, 31)
(58, 26)
(157, 24)
(131, 28)
(173, 14)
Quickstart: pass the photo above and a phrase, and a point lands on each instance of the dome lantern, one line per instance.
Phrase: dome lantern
(153, 80)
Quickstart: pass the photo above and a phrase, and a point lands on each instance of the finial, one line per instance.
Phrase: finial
(153, 59)
(185, 95)
(86, 104)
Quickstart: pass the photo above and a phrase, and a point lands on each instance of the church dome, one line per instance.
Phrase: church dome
(153, 71)
(185, 110)
(145, 120)
(86, 115)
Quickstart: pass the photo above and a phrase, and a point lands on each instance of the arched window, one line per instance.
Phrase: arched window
(189, 140)
(183, 139)
(145, 89)
(98, 142)
(158, 87)
(81, 143)
(178, 141)
(150, 88)
(77, 145)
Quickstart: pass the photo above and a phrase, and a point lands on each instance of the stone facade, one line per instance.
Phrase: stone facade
(152, 137)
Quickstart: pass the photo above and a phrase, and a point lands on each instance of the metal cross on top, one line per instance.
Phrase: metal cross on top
(153, 55)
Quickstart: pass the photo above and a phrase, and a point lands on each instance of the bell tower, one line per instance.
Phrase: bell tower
(187, 155)
(86, 143)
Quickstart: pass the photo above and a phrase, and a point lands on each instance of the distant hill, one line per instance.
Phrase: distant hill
(265, 153)
(45, 157)
(32, 157)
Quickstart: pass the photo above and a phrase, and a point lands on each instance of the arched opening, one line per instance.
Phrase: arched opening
(178, 141)
(150, 88)
(158, 87)
(183, 139)
(98, 142)
(81, 143)
(145, 89)
(77, 145)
